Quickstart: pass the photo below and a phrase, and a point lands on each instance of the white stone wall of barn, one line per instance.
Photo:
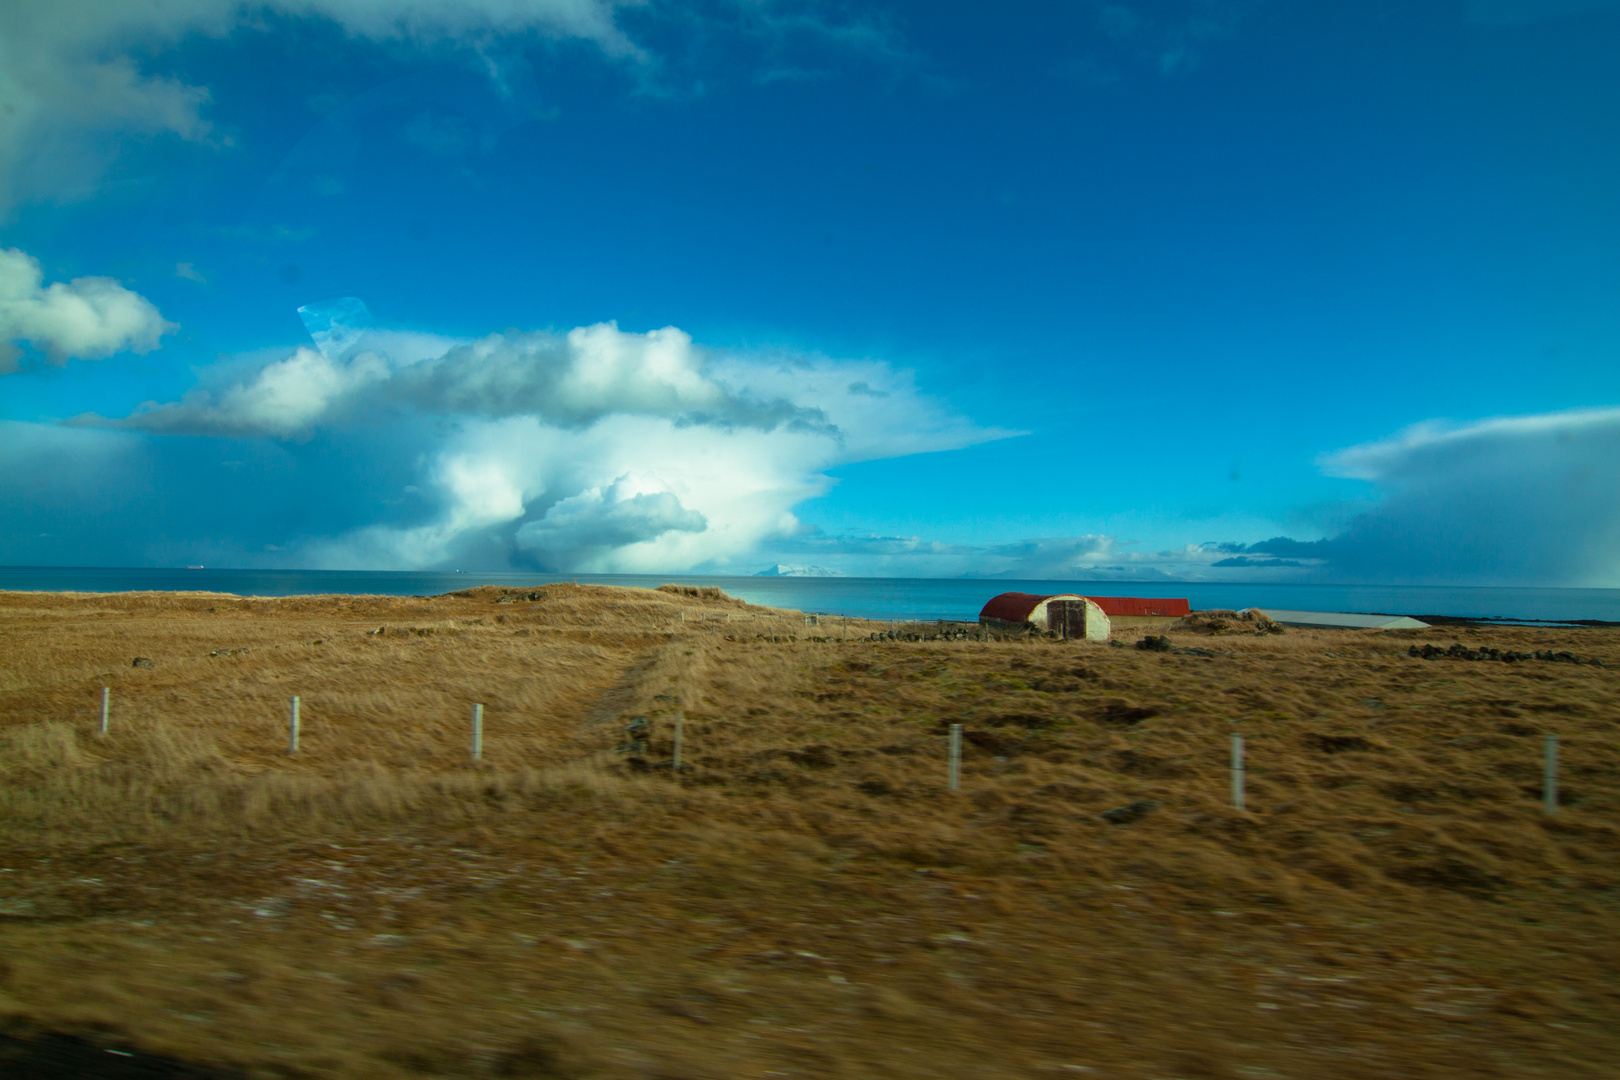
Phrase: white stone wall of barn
(1098, 627)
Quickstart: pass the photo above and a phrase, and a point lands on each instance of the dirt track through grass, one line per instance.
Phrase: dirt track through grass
(805, 900)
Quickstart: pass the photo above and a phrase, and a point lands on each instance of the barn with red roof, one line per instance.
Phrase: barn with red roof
(1075, 616)
(1065, 615)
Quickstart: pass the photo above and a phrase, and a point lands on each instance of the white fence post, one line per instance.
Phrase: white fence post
(106, 708)
(478, 733)
(680, 732)
(955, 772)
(292, 727)
(1238, 800)
(1549, 774)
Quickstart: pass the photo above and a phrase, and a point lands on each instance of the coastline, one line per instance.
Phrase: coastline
(957, 599)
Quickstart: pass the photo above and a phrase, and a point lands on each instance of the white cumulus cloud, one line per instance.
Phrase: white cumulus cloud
(586, 374)
(598, 449)
(282, 399)
(87, 317)
(643, 493)
(567, 380)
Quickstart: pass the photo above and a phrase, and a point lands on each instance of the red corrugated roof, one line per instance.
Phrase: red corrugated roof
(1136, 605)
(1015, 607)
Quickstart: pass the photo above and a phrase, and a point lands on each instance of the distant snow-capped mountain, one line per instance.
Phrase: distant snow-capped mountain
(783, 570)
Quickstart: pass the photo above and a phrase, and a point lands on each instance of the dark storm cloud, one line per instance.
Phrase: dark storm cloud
(587, 524)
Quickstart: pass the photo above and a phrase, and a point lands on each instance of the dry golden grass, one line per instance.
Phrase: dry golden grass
(806, 899)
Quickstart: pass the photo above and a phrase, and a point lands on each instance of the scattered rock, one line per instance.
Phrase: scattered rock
(903, 635)
(1125, 815)
(232, 652)
(1160, 643)
(1459, 651)
(143, 662)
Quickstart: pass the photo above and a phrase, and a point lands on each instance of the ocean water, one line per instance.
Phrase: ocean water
(870, 598)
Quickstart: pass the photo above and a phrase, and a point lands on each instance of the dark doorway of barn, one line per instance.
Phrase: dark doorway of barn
(1066, 618)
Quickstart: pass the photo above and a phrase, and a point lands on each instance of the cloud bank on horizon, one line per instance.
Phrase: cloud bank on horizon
(1520, 500)
(1531, 500)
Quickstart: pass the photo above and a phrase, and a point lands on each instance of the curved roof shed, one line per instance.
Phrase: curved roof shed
(1065, 614)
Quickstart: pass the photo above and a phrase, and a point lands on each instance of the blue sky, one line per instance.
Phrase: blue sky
(1201, 289)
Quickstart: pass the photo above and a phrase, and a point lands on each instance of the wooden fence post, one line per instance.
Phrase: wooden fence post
(680, 732)
(478, 733)
(106, 708)
(954, 775)
(292, 727)
(1549, 774)
(1238, 800)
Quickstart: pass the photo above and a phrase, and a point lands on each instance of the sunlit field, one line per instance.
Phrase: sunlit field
(803, 897)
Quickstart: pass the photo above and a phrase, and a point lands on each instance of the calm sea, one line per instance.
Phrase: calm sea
(871, 598)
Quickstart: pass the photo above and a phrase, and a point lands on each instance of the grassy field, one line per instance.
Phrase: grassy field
(805, 898)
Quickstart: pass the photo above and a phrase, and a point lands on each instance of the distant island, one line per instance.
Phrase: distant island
(783, 570)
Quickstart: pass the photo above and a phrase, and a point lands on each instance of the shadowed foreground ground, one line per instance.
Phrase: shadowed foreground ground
(806, 899)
